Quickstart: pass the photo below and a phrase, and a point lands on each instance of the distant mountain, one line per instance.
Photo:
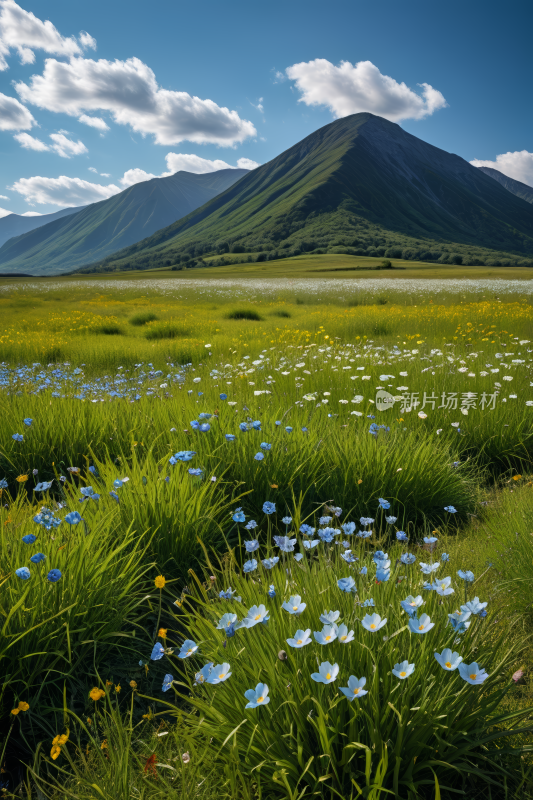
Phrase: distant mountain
(16, 224)
(516, 187)
(361, 184)
(109, 225)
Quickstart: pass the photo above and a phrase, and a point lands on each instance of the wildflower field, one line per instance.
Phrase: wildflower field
(266, 539)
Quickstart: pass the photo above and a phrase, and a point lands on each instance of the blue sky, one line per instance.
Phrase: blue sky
(457, 75)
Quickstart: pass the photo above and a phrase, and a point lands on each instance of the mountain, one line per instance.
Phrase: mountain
(101, 228)
(361, 184)
(16, 224)
(516, 187)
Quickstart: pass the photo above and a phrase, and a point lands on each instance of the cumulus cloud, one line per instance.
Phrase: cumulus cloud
(247, 163)
(94, 122)
(62, 145)
(63, 191)
(30, 142)
(13, 115)
(517, 165)
(128, 90)
(132, 176)
(3, 197)
(349, 89)
(193, 163)
(4, 213)
(22, 31)
(31, 214)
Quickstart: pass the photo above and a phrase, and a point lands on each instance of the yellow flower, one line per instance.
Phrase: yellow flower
(109, 683)
(55, 751)
(159, 582)
(133, 684)
(162, 632)
(517, 477)
(22, 478)
(118, 688)
(95, 694)
(15, 711)
(23, 706)
(103, 746)
(60, 739)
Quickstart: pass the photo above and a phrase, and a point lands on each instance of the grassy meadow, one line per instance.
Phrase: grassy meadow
(207, 507)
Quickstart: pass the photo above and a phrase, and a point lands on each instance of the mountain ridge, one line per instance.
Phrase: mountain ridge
(360, 182)
(17, 224)
(104, 227)
(516, 187)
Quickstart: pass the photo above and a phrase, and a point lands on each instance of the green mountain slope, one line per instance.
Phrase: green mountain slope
(17, 224)
(107, 226)
(516, 187)
(363, 183)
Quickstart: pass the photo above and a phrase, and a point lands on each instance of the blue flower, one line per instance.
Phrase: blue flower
(347, 585)
(229, 595)
(324, 520)
(401, 536)
(30, 538)
(348, 528)
(23, 573)
(305, 430)
(307, 530)
(329, 617)
(379, 555)
(309, 545)
(475, 607)
(285, 543)
(18, 437)
(195, 424)
(367, 603)
(445, 557)
(294, 605)
(298, 556)
(354, 688)
(226, 621)
(278, 423)
(203, 674)
(249, 566)
(73, 518)
(167, 682)
(3, 484)
(118, 484)
(390, 520)
(188, 648)
(300, 638)
(218, 674)
(269, 563)
(158, 651)
(46, 518)
(37, 558)
(343, 635)
(251, 546)
(271, 590)
(43, 486)
(230, 437)
(363, 571)
(442, 586)
(223, 396)
(27, 421)
(258, 696)
(403, 670)
(196, 472)
(448, 660)
(183, 455)
(472, 673)
(347, 556)
(115, 497)
(255, 615)
(407, 558)
(422, 625)
(428, 569)
(204, 427)
(53, 576)
(382, 575)
(288, 429)
(385, 505)
(430, 539)
(450, 509)
(89, 493)
(239, 516)
(250, 525)
(411, 604)
(364, 534)
(94, 471)
(327, 534)
(327, 635)
(366, 521)
(459, 621)
(287, 520)
(327, 673)
(243, 427)
(373, 622)
(256, 425)
(467, 577)
(265, 446)
(258, 457)
(268, 507)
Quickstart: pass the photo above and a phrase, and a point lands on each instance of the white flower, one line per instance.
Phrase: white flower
(403, 374)
(422, 415)
(365, 377)
(507, 378)
(326, 394)
(455, 424)
(528, 403)
(196, 380)
(439, 431)
(208, 345)
(360, 413)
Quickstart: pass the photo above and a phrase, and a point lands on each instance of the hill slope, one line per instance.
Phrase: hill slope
(16, 224)
(516, 187)
(109, 225)
(360, 182)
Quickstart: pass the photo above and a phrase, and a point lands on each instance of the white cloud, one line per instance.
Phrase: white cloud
(128, 90)
(3, 197)
(31, 214)
(30, 142)
(22, 31)
(93, 169)
(94, 122)
(13, 115)
(105, 174)
(349, 89)
(4, 213)
(63, 191)
(132, 176)
(193, 163)
(62, 145)
(65, 147)
(517, 165)
(87, 40)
